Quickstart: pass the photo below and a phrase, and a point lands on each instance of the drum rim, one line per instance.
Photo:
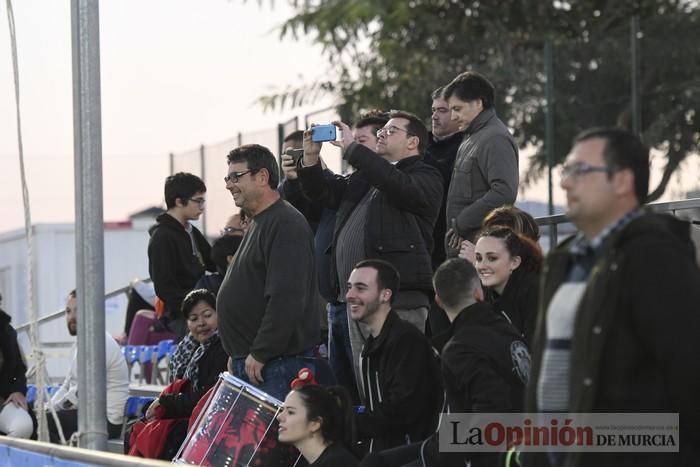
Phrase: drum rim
(229, 378)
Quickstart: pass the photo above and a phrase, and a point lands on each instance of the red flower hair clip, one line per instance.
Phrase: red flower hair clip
(304, 378)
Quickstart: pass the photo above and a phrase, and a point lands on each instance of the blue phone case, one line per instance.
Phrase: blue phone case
(323, 133)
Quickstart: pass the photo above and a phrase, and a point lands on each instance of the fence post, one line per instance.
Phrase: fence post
(203, 172)
(89, 223)
(634, 62)
(549, 134)
(280, 142)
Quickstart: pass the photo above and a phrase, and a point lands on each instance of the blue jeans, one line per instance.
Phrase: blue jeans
(339, 350)
(278, 373)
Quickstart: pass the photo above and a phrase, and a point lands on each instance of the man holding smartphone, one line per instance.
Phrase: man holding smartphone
(386, 210)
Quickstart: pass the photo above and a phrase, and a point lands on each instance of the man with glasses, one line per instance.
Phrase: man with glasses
(619, 322)
(386, 210)
(178, 253)
(236, 226)
(322, 220)
(268, 301)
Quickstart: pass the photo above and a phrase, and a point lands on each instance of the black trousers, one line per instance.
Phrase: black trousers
(69, 423)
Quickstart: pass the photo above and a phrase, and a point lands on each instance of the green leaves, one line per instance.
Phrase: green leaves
(393, 53)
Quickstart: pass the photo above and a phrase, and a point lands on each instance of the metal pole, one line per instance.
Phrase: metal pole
(634, 59)
(87, 141)
(202, 164)
(171, 163)
(280, 142)
(549, 132)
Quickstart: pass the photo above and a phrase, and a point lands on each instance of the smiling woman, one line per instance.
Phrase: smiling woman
(508, 265)
(198, 360)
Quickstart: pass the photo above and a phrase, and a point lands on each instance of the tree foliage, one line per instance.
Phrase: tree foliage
(393, 53)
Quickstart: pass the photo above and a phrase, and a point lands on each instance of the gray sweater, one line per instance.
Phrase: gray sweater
(267, 304)
(485, 174)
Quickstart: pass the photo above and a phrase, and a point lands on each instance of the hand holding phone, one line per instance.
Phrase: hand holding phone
(289, 167)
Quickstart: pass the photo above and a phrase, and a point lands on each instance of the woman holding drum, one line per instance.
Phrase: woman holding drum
(318, 421)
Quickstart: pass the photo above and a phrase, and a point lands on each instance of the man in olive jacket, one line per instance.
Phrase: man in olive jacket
(618, 324)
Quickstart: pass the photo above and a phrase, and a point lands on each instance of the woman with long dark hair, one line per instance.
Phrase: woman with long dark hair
(318, 421)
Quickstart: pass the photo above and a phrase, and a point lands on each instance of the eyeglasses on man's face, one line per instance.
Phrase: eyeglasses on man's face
(235, 177)
(231, 231)
(390, 130)
(200, 201)
(578, 169)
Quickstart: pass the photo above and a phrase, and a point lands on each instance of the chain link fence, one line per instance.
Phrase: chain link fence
(209, 162)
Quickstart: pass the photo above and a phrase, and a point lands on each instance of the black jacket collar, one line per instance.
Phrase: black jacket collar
(478, 313)
(432, 141)
(375, 343)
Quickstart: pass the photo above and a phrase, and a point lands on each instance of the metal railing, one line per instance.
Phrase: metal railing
(58, 314)
(15, 452)
(208, 162)
(672, 207)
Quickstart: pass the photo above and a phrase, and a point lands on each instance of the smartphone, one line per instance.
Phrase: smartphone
(323, 133)
(295, 153)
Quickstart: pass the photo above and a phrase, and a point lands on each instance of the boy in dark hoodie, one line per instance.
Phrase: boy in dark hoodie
(178, 253)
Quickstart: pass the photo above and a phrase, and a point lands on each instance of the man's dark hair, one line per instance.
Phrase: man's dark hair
(182, 185)
(258, 157)
(73, 293)
(194, 297)
(297, 136)
(415, 127)
(387, 275)
(623, 150)
(223, 247)
(374, 118)
(438, 93)
(471, 86)
(454, 282)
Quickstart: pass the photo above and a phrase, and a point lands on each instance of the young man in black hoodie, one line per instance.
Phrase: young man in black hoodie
(485, 366)
(399, 368)
(178, 253)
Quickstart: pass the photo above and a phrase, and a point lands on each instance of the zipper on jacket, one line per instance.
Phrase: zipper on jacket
(369, 387)
(379, 391)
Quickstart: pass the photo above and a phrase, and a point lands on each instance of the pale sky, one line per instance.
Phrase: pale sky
(175, 74)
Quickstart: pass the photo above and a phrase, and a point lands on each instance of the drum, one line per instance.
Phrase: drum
(237, 427)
